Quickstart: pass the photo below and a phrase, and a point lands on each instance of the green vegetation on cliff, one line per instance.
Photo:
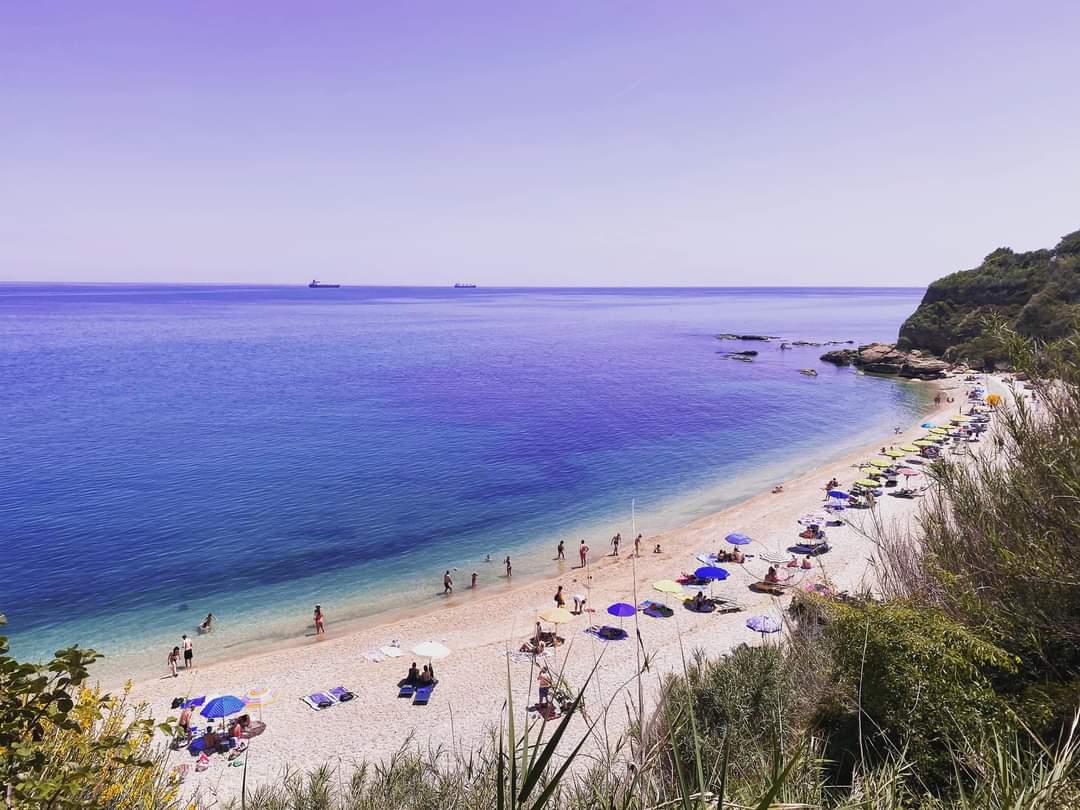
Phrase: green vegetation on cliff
(1036, 293)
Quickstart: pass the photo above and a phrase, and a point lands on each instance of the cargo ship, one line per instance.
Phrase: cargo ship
(322, 285)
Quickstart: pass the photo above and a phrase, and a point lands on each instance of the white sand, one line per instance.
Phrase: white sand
(479, 628)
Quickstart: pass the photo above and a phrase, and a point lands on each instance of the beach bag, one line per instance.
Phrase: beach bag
(177, 703)
(346, 696)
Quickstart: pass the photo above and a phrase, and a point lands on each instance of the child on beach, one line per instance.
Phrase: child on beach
(561, 551)
(447, 584)
(174, 660)
(615, 545)
(320, 629)
(560, 600)
(473, 580)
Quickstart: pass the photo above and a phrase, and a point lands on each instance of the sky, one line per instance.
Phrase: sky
(519, 144)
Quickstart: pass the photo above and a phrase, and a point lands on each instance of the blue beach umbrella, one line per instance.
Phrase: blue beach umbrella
(927, 425)
(711, 572)
(621, 609)
(737, 539)
(838, 493)
(223, 706)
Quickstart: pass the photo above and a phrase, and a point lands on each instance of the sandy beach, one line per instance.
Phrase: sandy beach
(479, 629)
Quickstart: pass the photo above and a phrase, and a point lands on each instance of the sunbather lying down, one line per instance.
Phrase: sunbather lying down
(533, 647)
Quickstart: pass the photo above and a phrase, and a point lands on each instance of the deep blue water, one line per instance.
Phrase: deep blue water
(249, 450)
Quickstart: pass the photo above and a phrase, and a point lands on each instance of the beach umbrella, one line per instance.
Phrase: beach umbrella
(907, 448)
(737, 539)
(668, 586)
(711, 572)
(881, 462)
(924, 443)
(221, 707)
(895, 453)
(433, 649)
(927, 425)
(556, 615)
(838, 493)
(260, 696)
(940, 431)
(814, 520)
(763, 625)
(622, 610)
(866, 482)
(908, 472)
(869, 472)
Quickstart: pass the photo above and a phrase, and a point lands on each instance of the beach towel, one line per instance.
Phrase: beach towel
(318, 701)
(374, 656)
(195, 703)
(390, 651)
(606, 633)
(423, 695)
(519, 657)
(341, 694)
(406, 690)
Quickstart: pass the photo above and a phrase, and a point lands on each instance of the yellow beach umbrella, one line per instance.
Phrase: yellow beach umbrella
(940, 431)
(959, 419)
(882, 462)
(866, 482)
(924, 443)
(556, 615)
(870, 472)
(907, 448)
(895, 453)
(668, 586)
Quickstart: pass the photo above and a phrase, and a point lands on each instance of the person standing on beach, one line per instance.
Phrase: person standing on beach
(174, 660)
(447, 584)
(320, 629)
(615, 544)
(560, 600)
(189, 652)
(509, 569)
(561, 552)
(637, 546)
(473, 586)
(583, 553)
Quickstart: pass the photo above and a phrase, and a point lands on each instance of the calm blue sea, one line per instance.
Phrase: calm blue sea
(167, 451)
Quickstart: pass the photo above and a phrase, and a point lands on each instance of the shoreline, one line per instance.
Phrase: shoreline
(368, 610)
(479, 628)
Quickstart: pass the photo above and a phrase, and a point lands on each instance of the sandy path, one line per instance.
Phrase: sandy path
(479, 628)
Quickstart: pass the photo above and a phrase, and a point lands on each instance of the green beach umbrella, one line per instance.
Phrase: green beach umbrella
(895, 453)
(907, 448)
(882, 462)
(866, 482)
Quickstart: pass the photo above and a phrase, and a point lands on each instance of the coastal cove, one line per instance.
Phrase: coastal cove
(253, 451)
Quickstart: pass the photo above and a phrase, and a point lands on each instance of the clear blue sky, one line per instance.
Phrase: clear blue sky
(554, 143)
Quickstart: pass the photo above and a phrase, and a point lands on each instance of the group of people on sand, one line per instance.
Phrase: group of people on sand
(186, 649)
(417, 677)
(734, 556)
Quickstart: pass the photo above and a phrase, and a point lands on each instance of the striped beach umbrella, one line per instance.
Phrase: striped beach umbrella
(260, 696)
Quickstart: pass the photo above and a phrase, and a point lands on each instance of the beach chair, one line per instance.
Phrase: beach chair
(423, 695)
(318, 701)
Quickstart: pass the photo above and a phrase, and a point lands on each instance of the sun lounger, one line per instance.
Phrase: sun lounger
(423, 695)
(318, 701)
(341, 694)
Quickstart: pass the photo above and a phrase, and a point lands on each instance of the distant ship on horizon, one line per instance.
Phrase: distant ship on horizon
(316, 284)
(462, 286)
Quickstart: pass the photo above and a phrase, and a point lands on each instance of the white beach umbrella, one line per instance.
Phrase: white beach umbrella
(431, 649)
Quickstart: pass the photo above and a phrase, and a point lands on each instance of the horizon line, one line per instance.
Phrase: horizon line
(450, 285)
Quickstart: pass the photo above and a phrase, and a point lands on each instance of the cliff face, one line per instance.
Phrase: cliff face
(1038, 293)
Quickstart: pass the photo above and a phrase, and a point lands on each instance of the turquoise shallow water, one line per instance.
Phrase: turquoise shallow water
(174, 450)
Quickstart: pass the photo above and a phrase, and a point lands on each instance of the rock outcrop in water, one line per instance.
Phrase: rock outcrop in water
(1037, 293)
(884, 358)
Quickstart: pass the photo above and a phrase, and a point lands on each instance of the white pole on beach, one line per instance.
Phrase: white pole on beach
(637, 632)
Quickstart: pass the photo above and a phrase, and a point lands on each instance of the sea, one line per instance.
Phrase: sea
(169, 451)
